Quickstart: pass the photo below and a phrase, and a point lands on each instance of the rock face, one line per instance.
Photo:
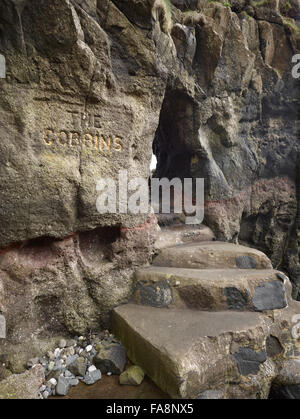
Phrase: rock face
(23, 386)
(91, 86)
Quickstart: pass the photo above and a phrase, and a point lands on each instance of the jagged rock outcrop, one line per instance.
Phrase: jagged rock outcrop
(89, 85)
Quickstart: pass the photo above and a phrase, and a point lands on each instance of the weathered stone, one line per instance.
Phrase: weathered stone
(132, 376)
(269, 296)
(91, 377)
(209, 255)
(235, 299)
(23, 386)
(111, 359)
(248, 361)
(78, 367)
(246, 262)
(176, 235)
(200, 289)
(176, 348)
(157, 295)
(63, 386)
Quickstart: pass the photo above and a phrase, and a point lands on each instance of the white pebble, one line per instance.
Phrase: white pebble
(89, 348)
(80, 351)
(53, 381)
(92, 368)
(57, 352)
(46, 394)
(109, 374)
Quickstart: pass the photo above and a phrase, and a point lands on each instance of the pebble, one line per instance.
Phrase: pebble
(63, 386)
(46, 394)
(62, 344)
(73, 361)
(91, 377)
(53, 382)
(51, 365)
(57, 352)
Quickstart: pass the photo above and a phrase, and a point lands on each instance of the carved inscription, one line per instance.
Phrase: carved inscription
(84, 135)
(97, 142)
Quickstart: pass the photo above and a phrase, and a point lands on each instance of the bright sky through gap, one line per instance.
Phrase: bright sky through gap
(153, 162)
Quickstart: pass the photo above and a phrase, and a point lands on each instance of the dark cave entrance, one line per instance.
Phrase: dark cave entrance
(174, 137)
(174, 148)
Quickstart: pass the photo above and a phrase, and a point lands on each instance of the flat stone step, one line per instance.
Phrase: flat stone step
(212, 255)
(176, 235)
(187, 352)
(211, 289)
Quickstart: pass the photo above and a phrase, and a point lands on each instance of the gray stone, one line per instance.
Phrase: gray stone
(78, 367)
(68, 374)
(249, 361)
(156, 295)
(111, 359)
(246, 262)
(63, 386)
(71, 359)
(269, 296)
(91, 377)
(74, 382)
(235, 299)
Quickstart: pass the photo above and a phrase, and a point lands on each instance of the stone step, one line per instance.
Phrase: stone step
(211, 289)
(180, 234)
(188, 352)
(212, 255)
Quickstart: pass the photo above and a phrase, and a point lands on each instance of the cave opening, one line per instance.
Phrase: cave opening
(174, 148)
(174, 137)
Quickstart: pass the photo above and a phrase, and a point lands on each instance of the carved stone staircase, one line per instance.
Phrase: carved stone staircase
(209, 319)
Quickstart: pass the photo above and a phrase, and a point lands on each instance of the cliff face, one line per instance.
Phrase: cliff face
(91, 86)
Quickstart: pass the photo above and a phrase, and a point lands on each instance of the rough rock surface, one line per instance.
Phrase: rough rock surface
(89, 85)
(23, 386)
